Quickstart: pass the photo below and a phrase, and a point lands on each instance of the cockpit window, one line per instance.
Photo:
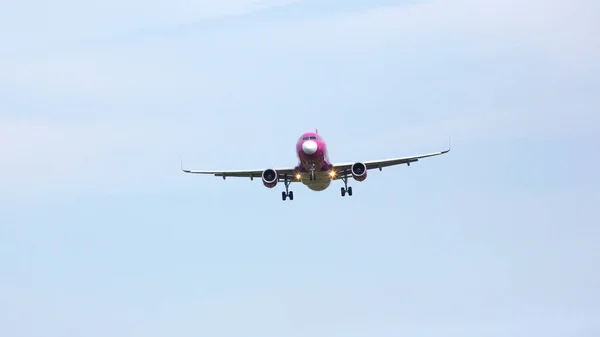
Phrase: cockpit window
(313, 137)
(304, 138)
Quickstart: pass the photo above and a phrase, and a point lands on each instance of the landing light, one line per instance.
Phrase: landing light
(332, 174)
(298, 176)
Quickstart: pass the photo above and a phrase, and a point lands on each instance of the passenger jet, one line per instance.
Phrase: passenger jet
(314, 169)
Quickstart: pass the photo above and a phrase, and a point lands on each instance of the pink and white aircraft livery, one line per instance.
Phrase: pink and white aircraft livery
(314, 169)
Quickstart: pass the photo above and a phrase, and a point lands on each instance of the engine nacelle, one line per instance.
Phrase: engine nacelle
(359, 171)
(270, 178)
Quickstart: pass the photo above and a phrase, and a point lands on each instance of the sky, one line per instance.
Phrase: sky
(102, 234)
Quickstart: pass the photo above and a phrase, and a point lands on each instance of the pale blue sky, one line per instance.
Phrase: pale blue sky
(101, 234)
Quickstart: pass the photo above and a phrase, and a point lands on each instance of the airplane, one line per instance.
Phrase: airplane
(314, 169)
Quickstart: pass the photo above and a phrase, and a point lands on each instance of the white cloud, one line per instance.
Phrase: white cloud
(52, 75)
(31, 21)
(35, 153)
(562, 32)
(501, 126)
(42, 155)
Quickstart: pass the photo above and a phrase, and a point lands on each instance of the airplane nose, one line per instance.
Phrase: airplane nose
(309, 147)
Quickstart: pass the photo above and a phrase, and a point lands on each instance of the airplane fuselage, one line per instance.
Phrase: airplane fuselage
(313, 162)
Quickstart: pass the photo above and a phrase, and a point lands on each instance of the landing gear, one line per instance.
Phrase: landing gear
(346, 188)
(287, 193)
(312, 171)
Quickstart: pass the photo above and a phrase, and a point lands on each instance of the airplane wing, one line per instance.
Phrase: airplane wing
(244, 173)
(341, 169)
(345, 168)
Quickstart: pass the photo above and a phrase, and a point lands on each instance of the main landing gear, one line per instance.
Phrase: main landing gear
(287, 193)
(346, 188)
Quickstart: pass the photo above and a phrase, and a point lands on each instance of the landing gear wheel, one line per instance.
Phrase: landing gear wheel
(283, 196)
(343, 192)
(350, 191)
(291, 195)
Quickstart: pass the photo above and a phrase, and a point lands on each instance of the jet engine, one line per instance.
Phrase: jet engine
(359, 171)
(270, 178)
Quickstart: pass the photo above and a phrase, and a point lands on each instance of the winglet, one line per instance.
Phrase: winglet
(448, 145)
(182, 164)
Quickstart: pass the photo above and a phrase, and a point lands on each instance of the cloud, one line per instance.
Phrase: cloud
(502, 126)
(127, 73)
(492, 23)
(491, 30)
(50, 76)
(465, 69)
(39, 156)
(25, 23)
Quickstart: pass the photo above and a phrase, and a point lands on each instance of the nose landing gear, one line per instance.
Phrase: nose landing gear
(312, 171)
